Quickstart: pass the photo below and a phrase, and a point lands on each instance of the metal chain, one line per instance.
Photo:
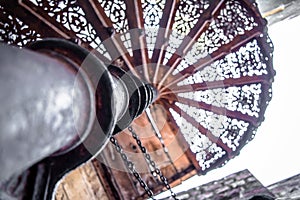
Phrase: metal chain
(159, 136)
(131, 167)
(151, 162)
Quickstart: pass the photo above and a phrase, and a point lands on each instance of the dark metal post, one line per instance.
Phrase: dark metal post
(53, 102)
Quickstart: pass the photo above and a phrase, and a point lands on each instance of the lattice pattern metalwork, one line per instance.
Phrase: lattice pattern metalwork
(14, 31)
(152, 14)
(247, 61)
(116, 11)
(186, 17)
(71, 16)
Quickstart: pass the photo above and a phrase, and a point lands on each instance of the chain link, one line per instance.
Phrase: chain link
(152, 163)
(131, 167)
(159, 136)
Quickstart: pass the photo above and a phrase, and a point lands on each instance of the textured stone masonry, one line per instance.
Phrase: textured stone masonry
(239, 186)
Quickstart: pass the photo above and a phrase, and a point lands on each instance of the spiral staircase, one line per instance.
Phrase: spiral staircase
(210, 63)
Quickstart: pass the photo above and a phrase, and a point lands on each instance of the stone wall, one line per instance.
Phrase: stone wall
(287, 189)
(239, 186)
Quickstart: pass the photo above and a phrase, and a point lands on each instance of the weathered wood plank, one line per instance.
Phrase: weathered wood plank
(81, 183)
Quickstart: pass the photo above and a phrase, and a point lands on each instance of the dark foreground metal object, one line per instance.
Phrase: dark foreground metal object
(59, 108)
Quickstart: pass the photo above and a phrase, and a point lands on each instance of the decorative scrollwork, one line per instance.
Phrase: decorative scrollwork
(244, 99)
(205, 150)
(14, 31)
(246, 61)
(229, 130)
(72, 16)
(116, 12)
(232, 21)
(187, 15)
(152, 13)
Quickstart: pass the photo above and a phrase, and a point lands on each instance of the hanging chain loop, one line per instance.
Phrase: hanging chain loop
(131, 167)
(159, 136)
(151, 162)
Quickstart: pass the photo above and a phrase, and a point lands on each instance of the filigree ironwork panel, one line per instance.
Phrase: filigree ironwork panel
(223, 29)
(116, 12)
(232, 20)
(244, 99)
(14, 31)
(229, 130)
(69, 14)
(246, 61)
(205, 150)
(187, 15)
(152, 13)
